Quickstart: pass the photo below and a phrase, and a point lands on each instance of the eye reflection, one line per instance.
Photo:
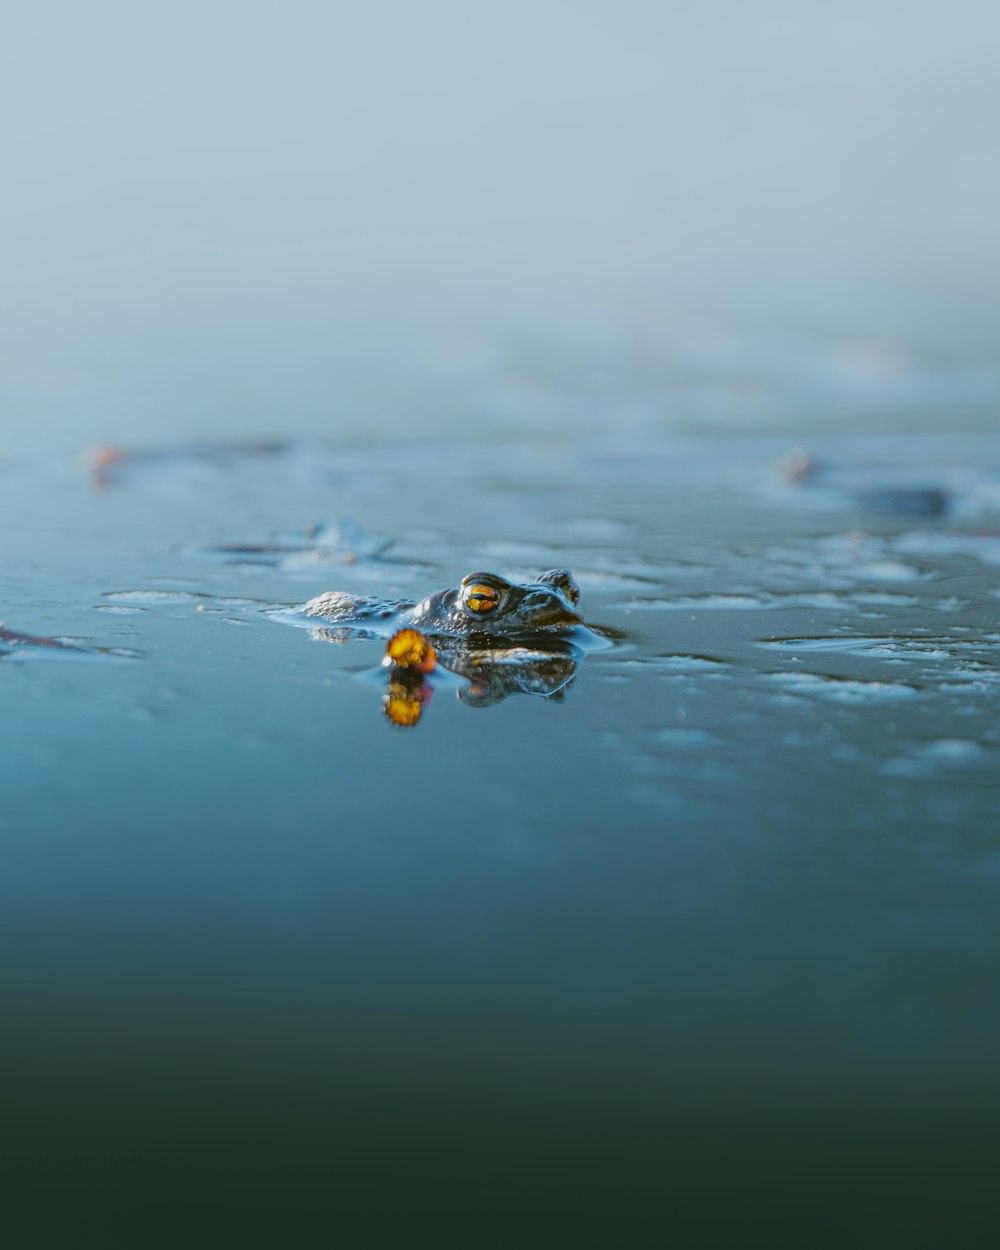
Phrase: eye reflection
(489, 673)
(406, 695)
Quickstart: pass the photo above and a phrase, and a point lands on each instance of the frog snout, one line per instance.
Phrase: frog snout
(543, 605)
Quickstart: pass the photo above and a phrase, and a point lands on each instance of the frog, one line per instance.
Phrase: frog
(498, 636)
(482, 604)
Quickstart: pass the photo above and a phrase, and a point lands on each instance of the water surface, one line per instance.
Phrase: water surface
(727, 904)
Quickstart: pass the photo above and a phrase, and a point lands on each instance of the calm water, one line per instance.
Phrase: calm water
(673, 951)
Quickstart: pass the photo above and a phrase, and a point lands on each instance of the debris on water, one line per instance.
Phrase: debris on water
(107, 463)
(18, 646)
(984, 545)
(926, 488)
(798, 465)
(128, 601)
(875, 489)
(14, 643)
(338, 542)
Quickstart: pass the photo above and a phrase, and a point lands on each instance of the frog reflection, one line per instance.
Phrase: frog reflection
(493, 673)
(490, 672)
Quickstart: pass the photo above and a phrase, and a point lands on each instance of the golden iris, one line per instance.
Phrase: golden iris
(481, 598)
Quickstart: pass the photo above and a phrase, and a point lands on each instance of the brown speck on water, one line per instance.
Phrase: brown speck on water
(102, 457)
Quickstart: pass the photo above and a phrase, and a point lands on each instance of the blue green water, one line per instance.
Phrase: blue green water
(725, 913)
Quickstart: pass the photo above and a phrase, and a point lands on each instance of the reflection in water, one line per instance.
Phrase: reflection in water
(406, 695)
(492, 669)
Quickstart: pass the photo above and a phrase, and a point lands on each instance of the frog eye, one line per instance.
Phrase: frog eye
(409, 649)
(480, 598)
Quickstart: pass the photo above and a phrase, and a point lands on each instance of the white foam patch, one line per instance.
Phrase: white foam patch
(675, 737)
(152, 596)
(841, 690)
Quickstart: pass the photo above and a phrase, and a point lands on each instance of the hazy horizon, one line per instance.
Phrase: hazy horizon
(200, 194)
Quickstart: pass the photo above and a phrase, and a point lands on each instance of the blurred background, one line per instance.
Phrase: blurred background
(724, 921)
(224, 216)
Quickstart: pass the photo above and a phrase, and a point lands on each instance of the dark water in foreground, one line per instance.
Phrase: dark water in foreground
(708, 949)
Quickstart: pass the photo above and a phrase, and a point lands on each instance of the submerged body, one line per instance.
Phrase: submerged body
(483, 603)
